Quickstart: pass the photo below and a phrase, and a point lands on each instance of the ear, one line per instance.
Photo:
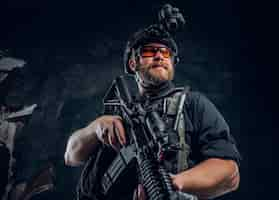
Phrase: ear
(132, 64)
(176, 60)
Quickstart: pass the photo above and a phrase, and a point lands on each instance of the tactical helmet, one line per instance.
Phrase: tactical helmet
(153, 33)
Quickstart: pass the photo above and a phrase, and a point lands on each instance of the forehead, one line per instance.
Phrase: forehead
(153, 44)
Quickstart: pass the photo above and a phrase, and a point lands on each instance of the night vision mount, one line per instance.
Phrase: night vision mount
(170, 19)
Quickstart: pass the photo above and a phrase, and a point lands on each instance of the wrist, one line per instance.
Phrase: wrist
(177, 182)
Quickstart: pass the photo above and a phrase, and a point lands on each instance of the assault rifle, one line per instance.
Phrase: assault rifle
(148, 140)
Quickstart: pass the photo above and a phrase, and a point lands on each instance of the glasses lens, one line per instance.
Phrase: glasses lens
(166, 52)
(149, 51)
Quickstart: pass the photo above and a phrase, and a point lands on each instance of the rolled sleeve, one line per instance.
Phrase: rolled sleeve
(213, 134)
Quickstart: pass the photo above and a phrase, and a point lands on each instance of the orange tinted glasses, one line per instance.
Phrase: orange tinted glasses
(150, 51)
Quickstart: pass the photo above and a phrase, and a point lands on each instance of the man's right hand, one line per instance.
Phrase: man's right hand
(110, 131)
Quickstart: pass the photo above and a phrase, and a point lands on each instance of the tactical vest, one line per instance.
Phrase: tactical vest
(173, 110)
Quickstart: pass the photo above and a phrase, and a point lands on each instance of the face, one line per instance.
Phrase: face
(154, 63)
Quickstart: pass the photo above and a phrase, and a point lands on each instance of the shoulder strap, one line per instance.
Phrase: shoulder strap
(183, 154)
(175, 106)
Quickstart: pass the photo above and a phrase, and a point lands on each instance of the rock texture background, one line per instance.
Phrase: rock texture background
(73, 50)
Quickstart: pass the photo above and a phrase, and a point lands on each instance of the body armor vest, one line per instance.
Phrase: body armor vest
(172, 109)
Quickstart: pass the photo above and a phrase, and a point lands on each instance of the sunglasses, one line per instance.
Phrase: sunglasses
(150, 51)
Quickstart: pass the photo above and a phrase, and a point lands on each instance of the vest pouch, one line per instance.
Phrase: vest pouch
(90, 184)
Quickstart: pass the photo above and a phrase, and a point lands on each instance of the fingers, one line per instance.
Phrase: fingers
(110, 131)
(117, 135)
(100, 132)
(120, 131)
(141, 193)
(113, 141)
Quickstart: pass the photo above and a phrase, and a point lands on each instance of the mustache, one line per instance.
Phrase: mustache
(154, 65)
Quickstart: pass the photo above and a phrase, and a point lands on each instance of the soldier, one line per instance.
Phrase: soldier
(207, 168)
(12, 119)
(7, 129)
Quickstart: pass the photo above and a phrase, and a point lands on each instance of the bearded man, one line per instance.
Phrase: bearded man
(210, 167)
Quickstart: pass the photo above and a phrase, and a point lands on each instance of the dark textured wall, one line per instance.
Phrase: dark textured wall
(74, 49)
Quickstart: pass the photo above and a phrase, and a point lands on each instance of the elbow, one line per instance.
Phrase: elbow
(71, 153)
(233, 179)
(229, 183)
(229, 179)
(67, 159)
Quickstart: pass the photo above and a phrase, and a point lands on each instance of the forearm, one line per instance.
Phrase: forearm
(80, 144)
(107, 129)
(209, 179)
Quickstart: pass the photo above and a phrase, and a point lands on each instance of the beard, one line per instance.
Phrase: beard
(151, 76)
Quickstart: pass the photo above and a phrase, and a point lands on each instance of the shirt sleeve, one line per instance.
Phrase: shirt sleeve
(213, 134)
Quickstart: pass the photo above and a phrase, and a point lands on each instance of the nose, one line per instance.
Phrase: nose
(159, 55)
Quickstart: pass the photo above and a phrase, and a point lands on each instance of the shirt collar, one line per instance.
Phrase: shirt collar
(159, 91)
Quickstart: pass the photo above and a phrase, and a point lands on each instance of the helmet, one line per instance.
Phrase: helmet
(153, 33)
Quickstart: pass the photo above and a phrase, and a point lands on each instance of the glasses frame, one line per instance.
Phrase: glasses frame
(139, 51)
